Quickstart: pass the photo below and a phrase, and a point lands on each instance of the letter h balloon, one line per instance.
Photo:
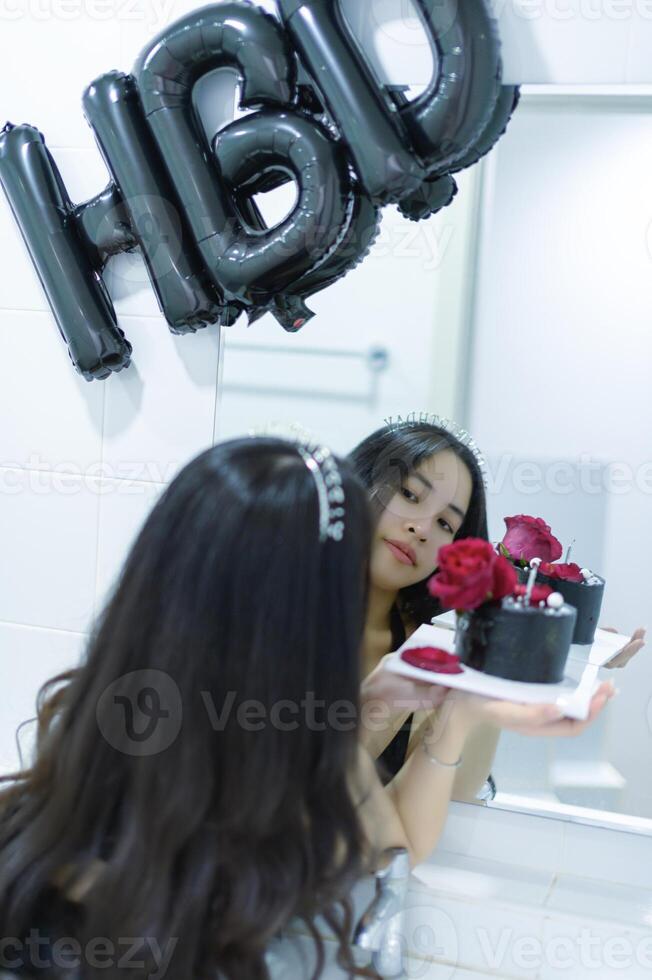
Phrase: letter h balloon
(317, 114)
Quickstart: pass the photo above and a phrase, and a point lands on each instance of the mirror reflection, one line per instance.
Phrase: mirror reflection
(521, 312)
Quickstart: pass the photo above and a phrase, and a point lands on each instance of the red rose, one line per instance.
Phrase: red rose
(432, 658)
(530, 537)
(471, 573)
(567, 573)
(539, 593)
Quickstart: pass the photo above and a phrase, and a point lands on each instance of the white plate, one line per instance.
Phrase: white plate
(573, 694)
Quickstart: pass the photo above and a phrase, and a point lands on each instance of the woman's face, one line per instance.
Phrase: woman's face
(424, 515)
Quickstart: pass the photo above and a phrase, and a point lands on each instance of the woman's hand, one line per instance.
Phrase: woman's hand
(470, 710)
(630, 649)
(387, 700)
(400, 694)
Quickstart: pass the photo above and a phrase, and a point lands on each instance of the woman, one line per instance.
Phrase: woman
(425, 479)
(199, 779)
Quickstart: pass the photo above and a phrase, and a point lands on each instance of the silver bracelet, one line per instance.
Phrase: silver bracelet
(437, 762)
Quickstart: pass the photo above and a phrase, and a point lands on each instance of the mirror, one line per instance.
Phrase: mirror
(522, 311)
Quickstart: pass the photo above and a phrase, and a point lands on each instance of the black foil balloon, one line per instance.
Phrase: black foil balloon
(186, 296)
(104, 223)
(249, 268)
(504, 109)
(69, 271)
(343, 255)
(383, 161)
(351, 250)
(319, 117)
(429, 198)
(262, 264)
(445, 121)
(438, 192)
(396, 145)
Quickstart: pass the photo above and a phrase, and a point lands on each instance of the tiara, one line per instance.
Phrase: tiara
(324, 469)
(394, 424)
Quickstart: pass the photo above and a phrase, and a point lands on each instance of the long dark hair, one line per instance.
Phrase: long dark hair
(219, 838)
(383, 461)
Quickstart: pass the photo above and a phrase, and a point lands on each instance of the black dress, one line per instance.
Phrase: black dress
(394, 756)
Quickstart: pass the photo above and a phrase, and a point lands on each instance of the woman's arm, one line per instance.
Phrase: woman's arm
(387, 700)
(479, 754)
(411, 811)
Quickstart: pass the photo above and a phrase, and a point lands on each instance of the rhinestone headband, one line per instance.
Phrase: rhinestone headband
(394, 424)
(325, 472)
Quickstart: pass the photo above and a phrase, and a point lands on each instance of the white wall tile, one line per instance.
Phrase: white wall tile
(129, 287)
(124, 508)
(475, 936)
(48, 529)
(51, 416)
(590, 852)
(49, 58)
(484, 880)
(584, 950)
(159, 413)
(564, 43)
(28, 658)
(495, 835)
(602, 900)
(639, 62)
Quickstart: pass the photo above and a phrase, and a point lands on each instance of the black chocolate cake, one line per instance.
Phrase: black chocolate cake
(519, 642)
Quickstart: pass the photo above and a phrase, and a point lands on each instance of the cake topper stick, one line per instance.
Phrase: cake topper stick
(534, 571)
(570, 549)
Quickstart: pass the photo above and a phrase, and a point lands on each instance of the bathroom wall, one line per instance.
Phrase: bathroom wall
(81, 464)
(558, 390)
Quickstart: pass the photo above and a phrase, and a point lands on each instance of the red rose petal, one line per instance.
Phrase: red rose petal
(539, 593)
(434, 659)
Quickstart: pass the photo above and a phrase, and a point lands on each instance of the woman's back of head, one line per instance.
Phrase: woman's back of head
(201, 750)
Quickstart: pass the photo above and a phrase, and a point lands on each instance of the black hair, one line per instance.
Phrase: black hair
(221, 837)
(384, 461)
